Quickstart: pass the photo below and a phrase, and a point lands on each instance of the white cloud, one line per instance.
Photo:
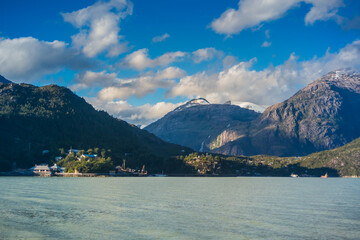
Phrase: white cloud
(25, 59)
(99, 27)
(252, 13)
(267, 33)
(273, 84)
(138, 115)
(206, 54)
(140, 59)
(170, 73)
(161, 38)
(266, 44)
(349, 56)
(116, 88)
(322, 10)
(89, 79)
(139, 87)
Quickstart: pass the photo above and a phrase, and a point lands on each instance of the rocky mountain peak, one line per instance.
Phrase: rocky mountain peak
(346, 78)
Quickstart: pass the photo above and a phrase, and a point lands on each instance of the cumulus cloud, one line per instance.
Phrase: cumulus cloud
(170, 73)
(88, 79)
(140, 59)
(25, 59)
(138, 115)
(139, 87)
(273, 84)
(122, 88)
(160, 38)
(266, 44)
(118, 88)
(252, 13)
(322, 10)
(99, 27)
(206, 54)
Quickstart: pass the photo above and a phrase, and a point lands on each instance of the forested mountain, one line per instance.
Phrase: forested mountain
(4, 80)
(34, 120)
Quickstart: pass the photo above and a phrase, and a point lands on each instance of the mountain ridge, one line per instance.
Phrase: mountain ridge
(4, 80)
(188, 124)
(33, 119)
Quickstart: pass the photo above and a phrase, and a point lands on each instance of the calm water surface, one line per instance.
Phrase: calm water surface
(179, 208)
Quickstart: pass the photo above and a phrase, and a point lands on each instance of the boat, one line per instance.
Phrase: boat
(324, 176)
(294, 175)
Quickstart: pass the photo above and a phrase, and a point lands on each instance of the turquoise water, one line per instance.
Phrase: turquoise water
(179, 208)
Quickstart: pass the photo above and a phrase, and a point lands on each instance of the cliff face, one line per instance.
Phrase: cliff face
(198, 124)
(323, 115)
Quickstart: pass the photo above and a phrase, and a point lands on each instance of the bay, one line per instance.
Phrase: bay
(179, 208)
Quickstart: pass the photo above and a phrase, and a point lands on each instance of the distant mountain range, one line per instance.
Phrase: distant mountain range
(37, 120)
(323, 115)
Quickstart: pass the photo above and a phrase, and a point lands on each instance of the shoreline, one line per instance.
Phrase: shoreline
(19, 174)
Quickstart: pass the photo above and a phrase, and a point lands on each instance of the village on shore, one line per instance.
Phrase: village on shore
(44, 170)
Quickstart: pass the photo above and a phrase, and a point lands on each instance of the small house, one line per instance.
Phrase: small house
(57, 169)
(42, 169)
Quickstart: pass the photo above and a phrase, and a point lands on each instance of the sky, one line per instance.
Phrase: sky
(140, 59)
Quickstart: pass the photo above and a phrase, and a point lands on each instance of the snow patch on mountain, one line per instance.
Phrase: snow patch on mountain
(251, 106)
(193, 102)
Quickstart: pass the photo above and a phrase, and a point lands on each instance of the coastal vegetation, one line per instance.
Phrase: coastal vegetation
(341, 161)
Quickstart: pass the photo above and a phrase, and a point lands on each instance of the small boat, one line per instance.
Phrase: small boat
(324, 176)
(294, 175)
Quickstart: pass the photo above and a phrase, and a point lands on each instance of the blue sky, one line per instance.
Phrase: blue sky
(140, 59)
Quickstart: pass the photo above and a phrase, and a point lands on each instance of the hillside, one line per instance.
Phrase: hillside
(342, 161)
(4, 80)
(345, 159)
(198, 123)
(34, 119)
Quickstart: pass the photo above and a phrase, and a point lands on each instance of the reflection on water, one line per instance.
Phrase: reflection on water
(179, 208)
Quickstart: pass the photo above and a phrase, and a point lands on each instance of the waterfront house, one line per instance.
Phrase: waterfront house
(42, 169)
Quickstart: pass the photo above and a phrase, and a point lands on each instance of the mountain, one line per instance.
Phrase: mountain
(323, 115)
(251, 106)
(4, 80)
(34, 120)
(197, 123)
